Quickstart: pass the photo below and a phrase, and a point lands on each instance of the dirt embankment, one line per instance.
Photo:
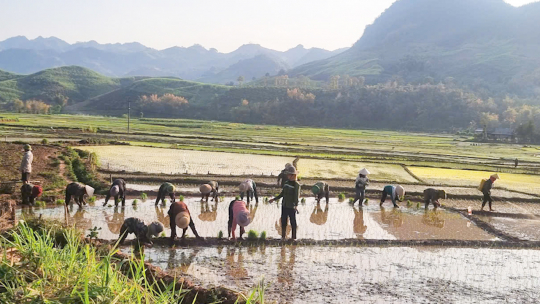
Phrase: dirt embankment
(7, 214)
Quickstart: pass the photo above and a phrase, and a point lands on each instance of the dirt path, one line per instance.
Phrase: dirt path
(62, 171)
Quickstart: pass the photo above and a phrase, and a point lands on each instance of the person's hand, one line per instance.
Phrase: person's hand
(296, 209)
(271, 200)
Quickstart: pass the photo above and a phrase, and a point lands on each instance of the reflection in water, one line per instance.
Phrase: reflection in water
(433, 218)
(288, 230)
(318, 216)
(183, 262)
(359, 228)
(235, 269)
(115, 221)
(393, 218)
(285, 275)
(208, 215)
(162, 218)
(252, 211)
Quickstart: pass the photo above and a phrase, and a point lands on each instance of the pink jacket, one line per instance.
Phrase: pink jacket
(238, 207)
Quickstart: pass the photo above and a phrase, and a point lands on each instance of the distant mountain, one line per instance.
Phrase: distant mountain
(482, 44)
(21, 55)
(75, 83)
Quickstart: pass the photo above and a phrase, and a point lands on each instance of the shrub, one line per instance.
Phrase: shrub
(253, 235)
(341, 196)
(44, 141)
(263, 236)
(220, 235)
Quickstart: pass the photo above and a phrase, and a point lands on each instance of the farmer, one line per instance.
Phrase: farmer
(118, 191)
(516, 163)
(250, 189)
(180, 217)
(78, 191)
(433, 196)
(164, 190)
(291, 196)
(282, 177)
(26, 163)
(210, 188)
(396, 194)
(238, 215)
(142, 232)
(29, 193)
(321, 189)
(361, 183)
(486, 190)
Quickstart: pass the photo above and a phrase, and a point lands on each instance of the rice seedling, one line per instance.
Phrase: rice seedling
(263, 236)
(181, 198)
(135, 202)
(40, 204)
(253, 235)
(303, 200)
(417, 205)
(164, 202)
(220, 235)
(144, 197)
(342, 196)
(60, 201)
(92, 199)
(366, 201)
(351, 200)
(93, 232)
(44, 141)
(163, 234)
(266, 199)
(409, 203)
(237, 197)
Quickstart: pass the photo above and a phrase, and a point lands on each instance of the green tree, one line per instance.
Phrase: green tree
(240, 80)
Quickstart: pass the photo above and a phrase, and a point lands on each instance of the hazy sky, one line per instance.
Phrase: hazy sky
(221, 24)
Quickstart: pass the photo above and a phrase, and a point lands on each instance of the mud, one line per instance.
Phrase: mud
(295, 274)
(337, 220)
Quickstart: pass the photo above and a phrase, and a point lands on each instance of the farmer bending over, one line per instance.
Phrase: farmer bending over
(486, 190)
(291, 195)
(321, 189)
(118, 191)
(432, 196)
(249, 188)
(238, 215)
(210, 188)
(396, 194)
(180, 217)
(164, 190)
(142, 232)
(78, 191)
(29, 193)
(361, 183)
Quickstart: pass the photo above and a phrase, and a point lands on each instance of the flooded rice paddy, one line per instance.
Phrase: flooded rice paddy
(336, 220)
(295, 274)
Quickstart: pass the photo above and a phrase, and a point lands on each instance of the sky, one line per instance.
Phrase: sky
(221, 24)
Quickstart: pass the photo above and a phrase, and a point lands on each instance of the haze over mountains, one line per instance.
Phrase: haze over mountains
(24, 56)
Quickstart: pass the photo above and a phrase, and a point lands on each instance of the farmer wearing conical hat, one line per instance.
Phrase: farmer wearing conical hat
(29, 193)
(321, 189)
(117, 190)
(432, 196)
(210, 188)
(486, 190)
(238, 215)
(291, 196)
(143, 232)
(361, 183)
(26, 163)
(78, 191)
(282, 177)
(249, 188)
(396, 194)
(180, 217)
(164, 190)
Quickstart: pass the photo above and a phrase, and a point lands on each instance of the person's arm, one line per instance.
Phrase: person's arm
(173, 225)
(192, 226)
(327, 193)
(160, 195)
(277, 197)
(255, 193)
(107, 199)
(229, 223)
(296, 194)
(279, 179)
(233, 228)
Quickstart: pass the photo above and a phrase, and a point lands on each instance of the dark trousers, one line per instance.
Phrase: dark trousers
(360, 195)
(291, 214)
(25, 176)
(487, 198)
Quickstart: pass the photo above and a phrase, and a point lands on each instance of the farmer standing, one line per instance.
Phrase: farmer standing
(78, 191)
(26, 164)
(164, 190)
(249, 188)
(118, 191)
(432, 196)
(321, 189)
(361, 183)
(486, 190)
(396, 194)
(238, 215)
(210, 188)
(291, 195)
(180, 217)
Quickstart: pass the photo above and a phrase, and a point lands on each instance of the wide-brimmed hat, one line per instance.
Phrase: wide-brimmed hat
(316, 189)
(287, 165)
(27, 147)
(205, 188)
(155, 229)
(364, 172)
(182, 220)
(244, 186)
(115, 190)
(400, 191)
(170, 188)
(442, 194)
(243, 219)
(89, 190)
(495, 176)
(290, 170)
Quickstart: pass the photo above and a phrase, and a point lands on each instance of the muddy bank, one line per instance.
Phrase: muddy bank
(7, 214)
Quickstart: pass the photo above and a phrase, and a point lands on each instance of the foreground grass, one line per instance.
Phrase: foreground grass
(40, 270)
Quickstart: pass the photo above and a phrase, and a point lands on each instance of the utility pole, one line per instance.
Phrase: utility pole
(129, 113)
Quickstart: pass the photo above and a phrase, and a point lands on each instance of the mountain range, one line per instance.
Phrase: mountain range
(25, 56)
